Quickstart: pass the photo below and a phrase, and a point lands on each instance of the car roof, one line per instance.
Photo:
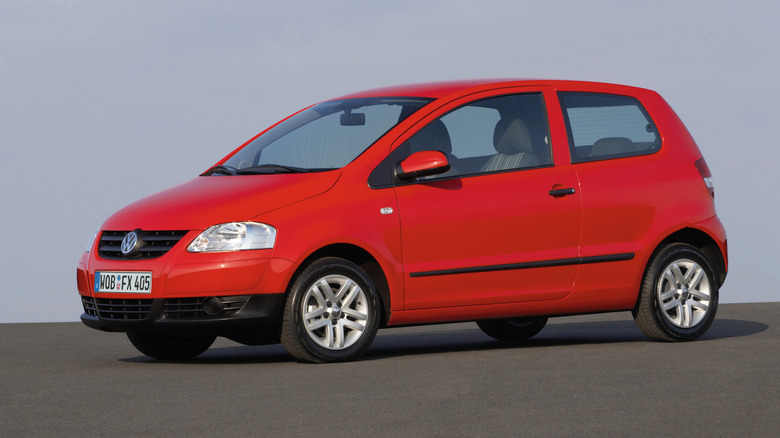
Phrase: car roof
(440, 89)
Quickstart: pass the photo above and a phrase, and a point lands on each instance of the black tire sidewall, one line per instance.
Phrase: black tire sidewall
(316, 271)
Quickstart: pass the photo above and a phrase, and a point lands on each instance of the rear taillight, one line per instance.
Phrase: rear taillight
(706, 175)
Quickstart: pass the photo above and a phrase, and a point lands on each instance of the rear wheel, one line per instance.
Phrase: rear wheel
(170, 346)
(679, 296)
(515, 329)
(332, 312)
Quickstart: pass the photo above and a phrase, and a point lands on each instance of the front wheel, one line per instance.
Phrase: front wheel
(332, 312)
(515, 329)
(679, 296)
(170, 346)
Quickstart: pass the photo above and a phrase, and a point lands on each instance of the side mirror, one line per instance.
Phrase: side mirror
(424, 163)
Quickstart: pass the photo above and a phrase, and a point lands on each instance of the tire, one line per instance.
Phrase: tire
(332, 312)
(170, 346)
(679, 296)
(515, 329)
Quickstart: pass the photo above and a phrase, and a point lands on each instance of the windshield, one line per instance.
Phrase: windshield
(324, 137)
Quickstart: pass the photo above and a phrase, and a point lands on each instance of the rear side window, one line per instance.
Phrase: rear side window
(605, 126)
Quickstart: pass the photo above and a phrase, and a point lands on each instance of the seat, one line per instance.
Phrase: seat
(434, 137)
(513, 144)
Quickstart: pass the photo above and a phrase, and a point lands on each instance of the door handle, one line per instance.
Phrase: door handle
(562, 192)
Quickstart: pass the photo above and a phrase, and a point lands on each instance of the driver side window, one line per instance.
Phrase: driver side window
(491, 135)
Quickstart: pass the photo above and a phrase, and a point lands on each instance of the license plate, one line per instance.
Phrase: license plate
(124, 282)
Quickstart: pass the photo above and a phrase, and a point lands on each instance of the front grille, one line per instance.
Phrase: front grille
(155, 244)
(192, 308)
(117, 309)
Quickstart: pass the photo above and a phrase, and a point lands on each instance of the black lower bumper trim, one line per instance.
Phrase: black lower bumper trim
(258, 320)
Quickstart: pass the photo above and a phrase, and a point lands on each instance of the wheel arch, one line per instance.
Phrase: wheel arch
(364, 260)
(704, 243)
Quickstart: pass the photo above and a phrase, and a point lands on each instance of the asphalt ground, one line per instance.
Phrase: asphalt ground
(591, 375)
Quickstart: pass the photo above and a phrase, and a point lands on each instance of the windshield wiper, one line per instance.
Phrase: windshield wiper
(220, 169)
(271, 168)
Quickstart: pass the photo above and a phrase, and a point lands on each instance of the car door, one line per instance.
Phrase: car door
(625, 185)
(502, 225)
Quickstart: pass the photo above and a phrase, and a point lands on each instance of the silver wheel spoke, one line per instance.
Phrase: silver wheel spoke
(695, 277)
(316, 313)
(351, 325)
(328, 338)
(338, 342)
(355, 314)
(687, 317)
(678, 314)
(317, 295)
(348, 287)
(669, 278)
(674, 304)
(698, 305)
(326, 290)
(316, 325)
(351, 295)
(679, 278)
(669, 294)
(700, 295)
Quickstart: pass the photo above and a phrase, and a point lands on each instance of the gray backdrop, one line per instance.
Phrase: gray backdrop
(106, 102)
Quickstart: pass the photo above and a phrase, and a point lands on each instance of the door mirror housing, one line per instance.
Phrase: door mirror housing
(424, 163)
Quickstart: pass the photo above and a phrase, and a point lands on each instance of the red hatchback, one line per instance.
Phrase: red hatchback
(501, 202)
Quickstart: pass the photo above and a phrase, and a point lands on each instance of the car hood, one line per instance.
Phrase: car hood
(209, 200)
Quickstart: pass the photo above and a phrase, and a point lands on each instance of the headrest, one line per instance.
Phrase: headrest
(433, 136)
(511, 137)
(611, 146)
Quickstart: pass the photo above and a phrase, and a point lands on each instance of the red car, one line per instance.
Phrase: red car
(501, 202)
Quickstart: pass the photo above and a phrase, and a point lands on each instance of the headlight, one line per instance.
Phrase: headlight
(92, 240)
(234, 236)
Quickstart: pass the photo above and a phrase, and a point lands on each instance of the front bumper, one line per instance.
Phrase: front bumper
(238, 294)
(249, 319)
